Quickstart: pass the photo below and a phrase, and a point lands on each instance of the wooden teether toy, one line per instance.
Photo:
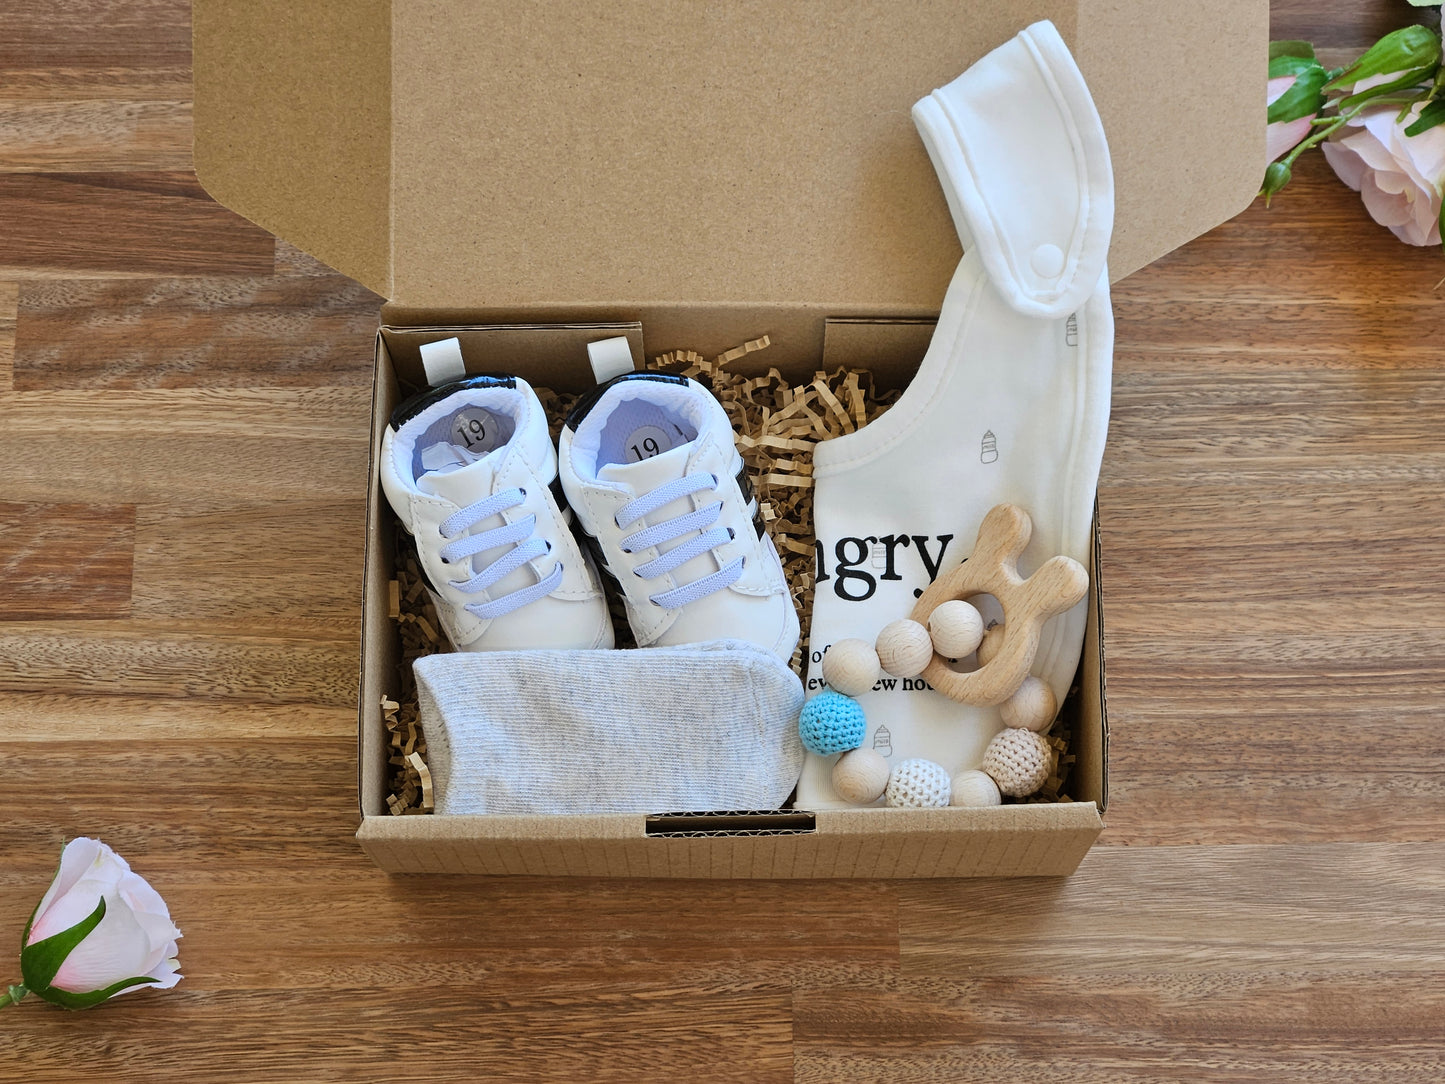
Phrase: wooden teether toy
(992, 569)
(988, 646)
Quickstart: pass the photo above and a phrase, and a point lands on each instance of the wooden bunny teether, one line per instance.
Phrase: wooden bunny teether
(992, 569)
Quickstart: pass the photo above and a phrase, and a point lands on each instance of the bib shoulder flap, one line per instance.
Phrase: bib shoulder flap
(1020, 151)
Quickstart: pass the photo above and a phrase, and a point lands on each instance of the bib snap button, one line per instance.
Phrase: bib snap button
(1048, 261)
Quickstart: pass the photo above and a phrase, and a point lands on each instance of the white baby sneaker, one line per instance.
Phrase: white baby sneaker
(650, 469)
(470, 470)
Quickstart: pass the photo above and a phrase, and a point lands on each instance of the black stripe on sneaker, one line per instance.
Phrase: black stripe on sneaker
(559, 495)
(417, 403)
(745, 484)
(591, 398)
(594, 548)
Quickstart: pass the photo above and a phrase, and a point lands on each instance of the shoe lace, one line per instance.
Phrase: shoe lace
(701, 519)
(524, 548)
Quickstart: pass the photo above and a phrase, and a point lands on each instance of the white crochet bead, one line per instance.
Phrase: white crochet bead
(860, 776)
(956, 628)
(851, 668)
(1033, 707)
(918, 784)
(904, 648)
(1019, 761)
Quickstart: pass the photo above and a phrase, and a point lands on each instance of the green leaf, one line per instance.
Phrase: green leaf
(1300, 100)
(39, 962)
(1291, 65)
(1406, 80)
(30, 922)
(66, 999)
(1410, 48)
(1291, 48)
(1425, 3)
(1429, 117)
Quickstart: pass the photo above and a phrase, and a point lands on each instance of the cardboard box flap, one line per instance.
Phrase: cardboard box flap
(642, 152)
(293, 124)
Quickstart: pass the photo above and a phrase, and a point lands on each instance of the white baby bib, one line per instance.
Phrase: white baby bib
(1010, 404)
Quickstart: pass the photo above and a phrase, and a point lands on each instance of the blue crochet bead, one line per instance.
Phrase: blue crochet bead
(832, 723)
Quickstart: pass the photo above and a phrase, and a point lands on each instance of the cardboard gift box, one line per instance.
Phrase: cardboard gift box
(532, 177)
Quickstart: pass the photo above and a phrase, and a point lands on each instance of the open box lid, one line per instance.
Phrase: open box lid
(452, 154)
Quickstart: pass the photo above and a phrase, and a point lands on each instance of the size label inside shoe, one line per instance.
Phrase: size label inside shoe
(646, 441)
(477, 430)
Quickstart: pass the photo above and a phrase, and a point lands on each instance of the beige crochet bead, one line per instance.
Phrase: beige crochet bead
(989, 645)
(918, 784)
(1019, 761)
(975, 789)
(904, 648)
(860, 775)
(956, 628)
(851, 668)
(1033, 707)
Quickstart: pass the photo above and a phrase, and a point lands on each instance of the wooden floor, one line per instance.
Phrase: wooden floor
(183, 410)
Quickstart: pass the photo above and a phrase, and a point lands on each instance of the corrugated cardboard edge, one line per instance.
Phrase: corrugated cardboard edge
(1019, 840)
(1098, 679)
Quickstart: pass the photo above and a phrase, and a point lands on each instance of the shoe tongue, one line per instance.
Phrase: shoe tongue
(646, 475)
(455, 474)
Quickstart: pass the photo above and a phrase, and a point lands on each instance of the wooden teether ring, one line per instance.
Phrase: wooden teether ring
(992, 569)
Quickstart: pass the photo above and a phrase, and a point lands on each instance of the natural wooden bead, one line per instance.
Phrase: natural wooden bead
(975, 789)
(1019, 761)
(918, 784)
(904, 648)
(989, 645)
(1033, 707)
(956, 629)
(851, 667)
(860, 776)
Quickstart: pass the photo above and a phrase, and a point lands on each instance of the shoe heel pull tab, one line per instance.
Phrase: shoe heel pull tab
(610, 358)
(443, 362)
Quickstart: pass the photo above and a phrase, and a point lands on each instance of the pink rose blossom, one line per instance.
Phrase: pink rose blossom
(1281, 136)
(1399, 177)
(135, 938)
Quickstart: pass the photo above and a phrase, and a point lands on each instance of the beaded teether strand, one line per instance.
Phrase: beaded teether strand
(944, 626)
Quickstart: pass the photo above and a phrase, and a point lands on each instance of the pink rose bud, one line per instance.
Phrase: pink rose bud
(99, 931)
(1281, 136)
(1276, 176)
